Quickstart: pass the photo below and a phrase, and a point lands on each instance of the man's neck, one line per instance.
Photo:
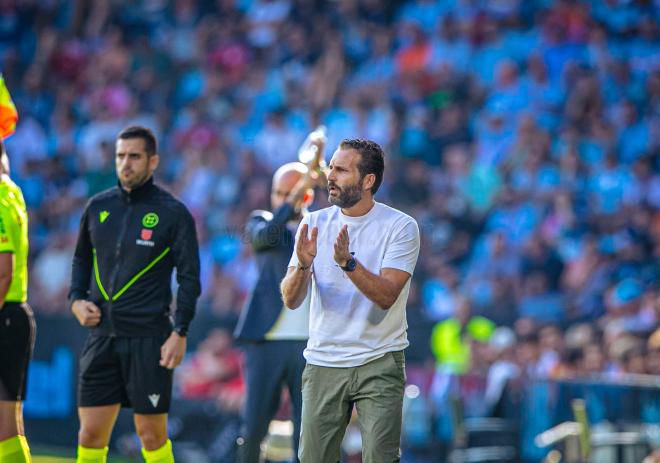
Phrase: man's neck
(361, 208)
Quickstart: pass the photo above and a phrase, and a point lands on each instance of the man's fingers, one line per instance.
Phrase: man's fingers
(342, 239)
(168, 357)
(93, 311)
(91, 308)
(91, 317)
(174, 362)
(170, 361)
(303, 233)
(91, 321)
(344, 232)
(315, 233)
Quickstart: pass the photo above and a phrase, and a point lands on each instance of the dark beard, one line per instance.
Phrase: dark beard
(348, 196)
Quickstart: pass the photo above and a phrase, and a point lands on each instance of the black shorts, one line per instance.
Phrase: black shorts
(126, 371)
(17, 333)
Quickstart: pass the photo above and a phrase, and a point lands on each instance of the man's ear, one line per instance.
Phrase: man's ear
(368, 181)
(154, 160)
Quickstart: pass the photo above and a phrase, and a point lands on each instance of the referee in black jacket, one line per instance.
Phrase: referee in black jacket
(131, 238)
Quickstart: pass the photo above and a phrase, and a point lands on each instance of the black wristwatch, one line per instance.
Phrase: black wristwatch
(181, 331)
(351, 264)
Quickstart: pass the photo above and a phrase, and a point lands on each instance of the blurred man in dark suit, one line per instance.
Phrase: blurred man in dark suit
(274, 337)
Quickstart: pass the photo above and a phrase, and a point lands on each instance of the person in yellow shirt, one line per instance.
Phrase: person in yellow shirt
(17, 327)
(451, 338)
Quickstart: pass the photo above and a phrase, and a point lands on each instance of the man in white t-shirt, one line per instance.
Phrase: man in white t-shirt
(359, 256)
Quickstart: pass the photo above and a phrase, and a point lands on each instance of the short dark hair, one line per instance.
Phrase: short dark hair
(137, 131)
(372, 159)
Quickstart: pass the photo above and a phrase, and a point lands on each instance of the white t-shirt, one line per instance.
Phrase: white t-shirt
(346, 329)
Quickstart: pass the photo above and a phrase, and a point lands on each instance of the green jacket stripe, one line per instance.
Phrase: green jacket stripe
(142, 272)
(98, 277)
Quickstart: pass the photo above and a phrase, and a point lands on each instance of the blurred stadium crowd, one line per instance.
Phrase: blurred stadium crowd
(524, 137)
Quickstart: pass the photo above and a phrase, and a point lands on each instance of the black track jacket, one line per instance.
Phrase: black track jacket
(127, 247)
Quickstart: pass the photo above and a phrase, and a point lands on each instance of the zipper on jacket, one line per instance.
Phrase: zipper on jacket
(115, 269)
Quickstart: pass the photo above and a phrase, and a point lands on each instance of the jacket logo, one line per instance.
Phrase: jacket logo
(154, 398)
(150, 220)
(145, 238)
(103, 215)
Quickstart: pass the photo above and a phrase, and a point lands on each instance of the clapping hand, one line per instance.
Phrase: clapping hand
(306, 246)
(342, 254)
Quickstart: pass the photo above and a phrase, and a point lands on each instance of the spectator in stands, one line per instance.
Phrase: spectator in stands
(504, 368)
(653, 354)
(213, 370)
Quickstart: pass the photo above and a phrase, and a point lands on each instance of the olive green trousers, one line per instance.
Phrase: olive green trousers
(329, 394)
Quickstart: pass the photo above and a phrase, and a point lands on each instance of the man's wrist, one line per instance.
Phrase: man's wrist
(349, 265)
(303, 267)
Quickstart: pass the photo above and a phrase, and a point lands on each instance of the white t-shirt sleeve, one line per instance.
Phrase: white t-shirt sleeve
(293, 262)
(403, 247)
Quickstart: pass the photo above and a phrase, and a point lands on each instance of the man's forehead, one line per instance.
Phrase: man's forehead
(131, 144)
(345, 157)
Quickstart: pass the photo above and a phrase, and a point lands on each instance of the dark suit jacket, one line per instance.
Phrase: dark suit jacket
(273, 244)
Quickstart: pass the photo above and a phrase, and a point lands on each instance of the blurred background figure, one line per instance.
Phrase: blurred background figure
(272, 336)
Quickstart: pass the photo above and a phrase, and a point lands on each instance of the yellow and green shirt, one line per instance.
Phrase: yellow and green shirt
(451, 347)
(14, 236)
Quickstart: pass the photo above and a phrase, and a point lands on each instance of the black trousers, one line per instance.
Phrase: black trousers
(270, 366)
(17, 334)
(126, 371)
